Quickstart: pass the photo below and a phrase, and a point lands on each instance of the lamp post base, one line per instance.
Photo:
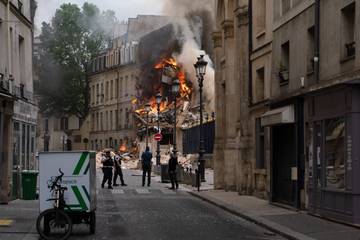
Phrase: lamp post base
(158, 157)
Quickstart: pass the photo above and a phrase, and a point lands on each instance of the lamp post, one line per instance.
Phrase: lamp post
(175, 90)
(147, 109)
(200, 67)
(158, 102)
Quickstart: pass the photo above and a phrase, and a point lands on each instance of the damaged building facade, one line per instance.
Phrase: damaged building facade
(113, 77)
(296, 97)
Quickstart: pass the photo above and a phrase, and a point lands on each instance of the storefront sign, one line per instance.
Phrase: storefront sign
(25, 112)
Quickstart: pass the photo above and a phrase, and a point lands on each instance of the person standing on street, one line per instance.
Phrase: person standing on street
(173, 163)
(108, 165)
(118, 170)
(146, 158)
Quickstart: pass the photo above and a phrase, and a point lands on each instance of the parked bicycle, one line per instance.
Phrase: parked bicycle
(55, 223)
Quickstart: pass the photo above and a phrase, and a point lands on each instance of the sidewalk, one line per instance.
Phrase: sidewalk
(290, 224)
(17, 220)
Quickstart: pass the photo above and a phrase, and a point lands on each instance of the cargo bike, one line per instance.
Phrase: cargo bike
(67, 193)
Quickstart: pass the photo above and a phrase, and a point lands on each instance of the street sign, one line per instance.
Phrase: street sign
(158, 137)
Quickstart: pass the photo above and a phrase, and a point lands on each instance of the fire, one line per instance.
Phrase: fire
(172, 70)
(123, 148)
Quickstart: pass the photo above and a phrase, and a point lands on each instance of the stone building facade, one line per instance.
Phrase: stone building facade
(113, 87)
(296, 101)
(18, 111)
(113, 77)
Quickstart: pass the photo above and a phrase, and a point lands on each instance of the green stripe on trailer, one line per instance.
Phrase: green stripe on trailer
(79, 198)
(86, 192)
(87, 168)
(74, 207)
(80, 163)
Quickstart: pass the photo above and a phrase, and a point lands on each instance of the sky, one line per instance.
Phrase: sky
(123, 8)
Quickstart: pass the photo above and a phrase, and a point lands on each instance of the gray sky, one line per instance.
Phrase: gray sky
(123, 8)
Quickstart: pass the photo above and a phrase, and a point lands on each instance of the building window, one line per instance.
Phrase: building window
(335, 153)
(285, 6)
(120, 119)
(121, 86)
(101, 121)
(126, 86)
(93, 122)
(64, 123)
(127, 118)
(348, 28)
(117, 88)
(111, 120)
(97, 93)
(310, 50)
(20, 6)
(107, 91)
(260, 144)
(97, 122)
(46, 125)
(260, 85)
(106, 120)
(22, 59)
(112, 89)
(116, 120)
(284, 71)
(102, 93)
(260, 16)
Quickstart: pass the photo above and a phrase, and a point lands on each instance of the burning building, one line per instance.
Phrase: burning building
(160, 64)
(113, 76)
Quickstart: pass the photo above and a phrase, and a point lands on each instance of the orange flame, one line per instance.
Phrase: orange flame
(172, 69)
(123, 148)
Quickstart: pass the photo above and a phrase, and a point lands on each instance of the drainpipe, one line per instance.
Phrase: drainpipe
(317, 42)
(250, 46)
(7, 20)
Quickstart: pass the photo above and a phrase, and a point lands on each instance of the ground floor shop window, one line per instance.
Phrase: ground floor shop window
(335, 152)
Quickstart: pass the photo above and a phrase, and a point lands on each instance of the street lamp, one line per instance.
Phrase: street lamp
(200, 67)
(175, 91)
(158, 102)
(147, 110)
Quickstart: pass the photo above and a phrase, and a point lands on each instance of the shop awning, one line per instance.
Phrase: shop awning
(278, 116)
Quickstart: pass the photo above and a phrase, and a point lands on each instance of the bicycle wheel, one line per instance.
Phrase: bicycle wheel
(54, 224)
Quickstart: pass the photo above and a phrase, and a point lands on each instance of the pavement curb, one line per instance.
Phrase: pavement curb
(274, 227)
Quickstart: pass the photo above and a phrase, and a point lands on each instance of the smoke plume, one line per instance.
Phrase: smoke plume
(195, 26)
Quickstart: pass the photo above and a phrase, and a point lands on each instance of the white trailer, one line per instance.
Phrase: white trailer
(79, 170)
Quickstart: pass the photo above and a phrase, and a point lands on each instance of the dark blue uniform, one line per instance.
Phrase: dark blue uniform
(108, 165)
(173, 163)
(146, 166)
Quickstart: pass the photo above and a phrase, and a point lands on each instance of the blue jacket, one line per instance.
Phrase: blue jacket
(146, 158)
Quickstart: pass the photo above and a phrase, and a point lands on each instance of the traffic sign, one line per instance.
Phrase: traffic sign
(158, 137)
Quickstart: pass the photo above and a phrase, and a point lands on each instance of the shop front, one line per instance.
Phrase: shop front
(333, 134)
(286, 151)
(24, 139)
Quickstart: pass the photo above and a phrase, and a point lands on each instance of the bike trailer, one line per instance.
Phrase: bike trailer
(79, 177)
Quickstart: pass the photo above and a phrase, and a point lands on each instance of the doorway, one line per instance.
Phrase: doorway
(284, 159)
